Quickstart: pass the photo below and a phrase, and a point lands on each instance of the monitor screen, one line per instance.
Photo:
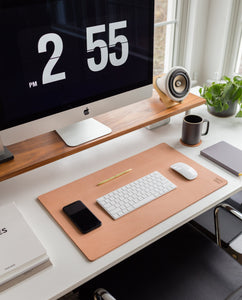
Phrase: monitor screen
(57, 55)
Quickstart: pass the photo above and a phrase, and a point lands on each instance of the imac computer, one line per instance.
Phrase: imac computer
(66, 61)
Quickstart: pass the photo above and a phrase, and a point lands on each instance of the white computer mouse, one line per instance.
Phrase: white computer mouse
(185, 170)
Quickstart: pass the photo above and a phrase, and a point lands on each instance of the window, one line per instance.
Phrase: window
(164, 33)
(188, 34)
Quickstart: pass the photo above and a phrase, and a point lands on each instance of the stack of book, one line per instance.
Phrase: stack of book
(22, 254)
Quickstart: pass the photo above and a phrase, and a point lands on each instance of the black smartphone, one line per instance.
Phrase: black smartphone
(81, 216)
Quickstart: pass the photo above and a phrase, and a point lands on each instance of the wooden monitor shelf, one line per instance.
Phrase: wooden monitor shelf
(49, 147)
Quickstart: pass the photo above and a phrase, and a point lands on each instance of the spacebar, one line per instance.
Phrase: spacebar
(144, 201)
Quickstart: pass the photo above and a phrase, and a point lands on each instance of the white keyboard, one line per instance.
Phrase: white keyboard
(135, 194)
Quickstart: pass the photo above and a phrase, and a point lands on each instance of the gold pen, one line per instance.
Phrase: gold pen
(113, 177)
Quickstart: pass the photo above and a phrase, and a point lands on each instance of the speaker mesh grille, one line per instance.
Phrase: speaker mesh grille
(179, 83)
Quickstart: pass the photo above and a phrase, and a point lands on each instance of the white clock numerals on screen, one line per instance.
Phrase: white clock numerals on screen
(91, 45)
(102, 45)
(113, 40)
(105, 56)
(47, 77)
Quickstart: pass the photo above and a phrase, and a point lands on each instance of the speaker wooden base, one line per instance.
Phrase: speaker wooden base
(163, 97)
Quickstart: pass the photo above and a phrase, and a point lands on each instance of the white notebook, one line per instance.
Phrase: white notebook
(21, 250)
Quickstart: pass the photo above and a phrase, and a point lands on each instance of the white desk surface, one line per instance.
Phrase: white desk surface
(69, 267)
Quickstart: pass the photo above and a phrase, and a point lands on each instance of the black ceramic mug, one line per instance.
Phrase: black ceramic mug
(192, 127)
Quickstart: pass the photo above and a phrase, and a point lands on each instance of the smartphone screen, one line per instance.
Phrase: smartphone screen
(81, 216)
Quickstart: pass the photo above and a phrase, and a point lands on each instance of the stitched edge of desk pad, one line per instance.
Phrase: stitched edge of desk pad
(112, 233)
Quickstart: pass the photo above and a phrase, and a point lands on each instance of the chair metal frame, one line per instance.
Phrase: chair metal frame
(229, 209)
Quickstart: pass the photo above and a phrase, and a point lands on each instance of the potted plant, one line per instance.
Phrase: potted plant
(223, 98)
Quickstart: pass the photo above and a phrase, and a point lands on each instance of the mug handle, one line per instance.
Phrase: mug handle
(206, 132)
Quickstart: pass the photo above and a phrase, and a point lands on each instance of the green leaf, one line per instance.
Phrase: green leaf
(215, 90)
(225, 106)
(226, 78)
(238, 80)
(228, 92)
(239, 114)
(208, 95)
(237, 95)
(201, 92)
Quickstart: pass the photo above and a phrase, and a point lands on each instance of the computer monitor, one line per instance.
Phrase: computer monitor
(64, 61)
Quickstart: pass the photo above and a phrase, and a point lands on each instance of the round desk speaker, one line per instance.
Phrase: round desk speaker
(175, 84)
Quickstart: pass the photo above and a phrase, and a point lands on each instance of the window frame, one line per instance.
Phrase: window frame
(176, 37)
(170, 33)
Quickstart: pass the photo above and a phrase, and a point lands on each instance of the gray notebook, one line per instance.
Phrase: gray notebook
(225, 155)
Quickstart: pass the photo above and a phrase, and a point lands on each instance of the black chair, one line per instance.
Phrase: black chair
(185, 264)
(229, 232)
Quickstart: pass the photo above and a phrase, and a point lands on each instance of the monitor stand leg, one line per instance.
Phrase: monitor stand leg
(82, 132)
(5, 154)
(158, 124)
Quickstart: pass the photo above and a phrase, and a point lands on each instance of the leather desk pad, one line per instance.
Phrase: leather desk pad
(113, 234)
